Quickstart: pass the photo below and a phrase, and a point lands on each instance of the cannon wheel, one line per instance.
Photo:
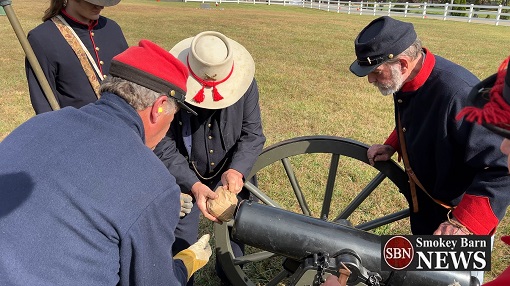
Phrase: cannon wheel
(282, 152)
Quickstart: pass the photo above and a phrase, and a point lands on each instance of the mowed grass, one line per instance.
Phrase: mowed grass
(302, 61)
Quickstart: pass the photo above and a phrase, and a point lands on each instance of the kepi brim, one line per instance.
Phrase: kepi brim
(362, 71)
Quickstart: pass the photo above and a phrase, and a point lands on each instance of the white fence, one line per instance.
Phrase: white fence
(496, 15)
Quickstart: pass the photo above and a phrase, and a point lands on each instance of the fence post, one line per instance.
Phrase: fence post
(470, 15)
(377, 6)
(500, 7)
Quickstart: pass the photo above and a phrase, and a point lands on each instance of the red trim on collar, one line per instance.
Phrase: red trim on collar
(423, 74)
(90, 25)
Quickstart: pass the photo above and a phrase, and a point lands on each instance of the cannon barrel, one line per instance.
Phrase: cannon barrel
(298, 236)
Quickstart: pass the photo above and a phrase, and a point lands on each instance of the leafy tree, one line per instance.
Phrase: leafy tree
(462, 2)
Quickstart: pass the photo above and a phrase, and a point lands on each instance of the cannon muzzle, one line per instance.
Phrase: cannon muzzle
(299, 237)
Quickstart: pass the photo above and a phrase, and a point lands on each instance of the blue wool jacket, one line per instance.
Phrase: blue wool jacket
(103, 39)
(241, 140)
(84, 202)
(459, 163)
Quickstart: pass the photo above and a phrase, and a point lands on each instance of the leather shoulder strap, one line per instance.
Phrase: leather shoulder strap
(413, 179)
(74, 42)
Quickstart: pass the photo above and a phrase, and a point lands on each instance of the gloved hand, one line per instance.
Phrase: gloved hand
(196, 256)
(186, 204)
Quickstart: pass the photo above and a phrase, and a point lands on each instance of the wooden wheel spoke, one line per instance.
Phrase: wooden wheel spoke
(361, 197)
(261, 195)
(328, 195)
(254, 257)
(384, 220)
(295, 186)
(281, 153)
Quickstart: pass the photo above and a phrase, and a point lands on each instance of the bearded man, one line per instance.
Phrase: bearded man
(490, 100)
(458, 178)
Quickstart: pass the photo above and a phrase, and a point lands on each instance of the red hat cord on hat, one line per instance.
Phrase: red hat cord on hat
(200, 96)
(497, 110)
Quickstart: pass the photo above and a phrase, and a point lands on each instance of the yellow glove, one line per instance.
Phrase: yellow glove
(186, 204)
(196, 256)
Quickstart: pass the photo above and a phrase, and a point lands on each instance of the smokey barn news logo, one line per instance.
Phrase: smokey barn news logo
(436, 253)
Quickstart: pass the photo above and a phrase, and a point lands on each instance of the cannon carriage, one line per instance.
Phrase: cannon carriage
(297, 235)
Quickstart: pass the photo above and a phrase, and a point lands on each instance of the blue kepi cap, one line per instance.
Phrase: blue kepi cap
(383, 39)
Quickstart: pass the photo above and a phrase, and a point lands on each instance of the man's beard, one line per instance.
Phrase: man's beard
(394, 84)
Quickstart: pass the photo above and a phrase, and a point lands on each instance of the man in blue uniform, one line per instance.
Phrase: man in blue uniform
(491, 100)
(458, 178)
(491, 108)
(74, 46)
(84, 200)
(221, 144)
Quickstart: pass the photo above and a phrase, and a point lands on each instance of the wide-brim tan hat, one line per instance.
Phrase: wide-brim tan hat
(219, 67)
(105, 3)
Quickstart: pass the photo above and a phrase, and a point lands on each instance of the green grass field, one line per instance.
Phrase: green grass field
(302, 61)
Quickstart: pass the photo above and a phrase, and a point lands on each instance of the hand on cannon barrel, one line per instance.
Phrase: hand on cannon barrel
(186, 204)
(224, 206)
(196, 256)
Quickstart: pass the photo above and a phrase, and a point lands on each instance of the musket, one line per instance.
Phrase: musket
(29, 52)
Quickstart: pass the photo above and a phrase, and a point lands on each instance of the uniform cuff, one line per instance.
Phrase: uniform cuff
(393, 141)
(475, 213)
(190, 260)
